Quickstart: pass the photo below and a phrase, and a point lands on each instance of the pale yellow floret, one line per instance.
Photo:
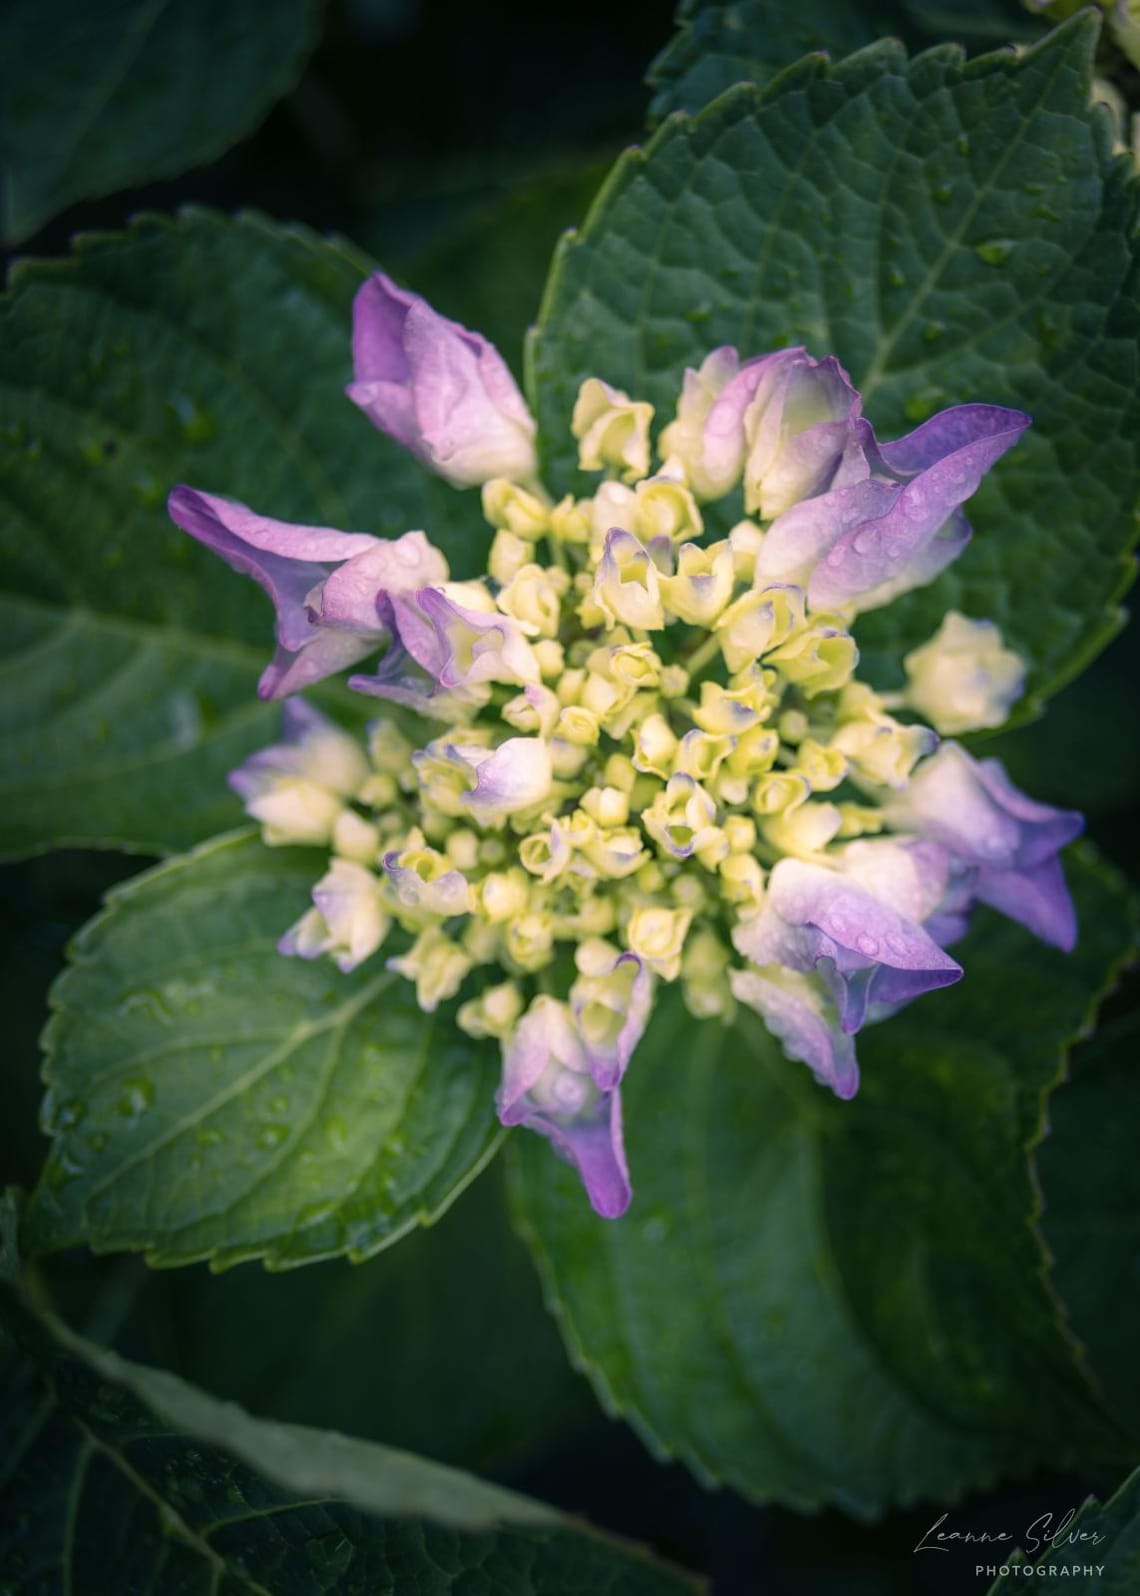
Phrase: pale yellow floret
(620, 772)
(608, 806)
(779, 791)
(508, 556)
(823, 764)
(700, 754)
(616, 852)
(742, 879)
(741, 833)
(296, 810)
(760, 620)
(745, 540)
(802, 829)
(654, 747)
(503, 894)
(578, 725)
(571, 520)
(666, 508)
(462, 849)
(533, 597)
(881, 749)
(612, 430)
(674, 681)
(964, 679)
(551, 657)
(494, 1012)
(702, 585)
(657, 936)
(859, 819)
(355, 838)
(529, 940)
(436, 964)
(379, 790)
(515, 509)
(818, 658)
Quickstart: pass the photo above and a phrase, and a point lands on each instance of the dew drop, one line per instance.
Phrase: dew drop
(270, 1136)
(137, 1096)
(995, 251)
(197, 424)
(67, 1115)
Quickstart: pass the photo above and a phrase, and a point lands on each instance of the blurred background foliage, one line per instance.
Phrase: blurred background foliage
(455, 143)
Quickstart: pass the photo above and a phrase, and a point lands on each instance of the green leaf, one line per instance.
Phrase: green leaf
(205, 351)
(816, 1301)
(209, 1098)
(421, 1347)
(117, 1477)
(1105, 1539)
(723, 42)
(952, 231)
(720, 43)
(1090, 1182)
(110, 94)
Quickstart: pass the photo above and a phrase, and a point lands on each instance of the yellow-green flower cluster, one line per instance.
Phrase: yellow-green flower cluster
(636, 751)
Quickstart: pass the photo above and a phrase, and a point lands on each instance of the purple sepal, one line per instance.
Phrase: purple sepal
(324, 584)
(609, 1064)
(805, 1028)
(1004, 843)
(548, 1087)
(441, 391)
(868, 540)
(816, 919)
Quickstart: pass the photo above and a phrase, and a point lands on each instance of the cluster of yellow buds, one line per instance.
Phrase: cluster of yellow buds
(649, 758)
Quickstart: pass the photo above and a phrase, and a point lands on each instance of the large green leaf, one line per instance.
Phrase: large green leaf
(723, 42)
(206, 351)
(1098, 1552)
(108, 94)
(818, 1301)
(209, 1098)
(115, 1477)
(422, 1347)
(1090, 1181)
(952, 231)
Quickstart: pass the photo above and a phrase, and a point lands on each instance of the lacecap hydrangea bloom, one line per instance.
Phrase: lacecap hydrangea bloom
(636, 750)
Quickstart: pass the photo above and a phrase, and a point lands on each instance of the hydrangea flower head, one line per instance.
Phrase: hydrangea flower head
(636, 751)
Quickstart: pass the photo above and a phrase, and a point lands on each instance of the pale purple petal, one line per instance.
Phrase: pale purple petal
(797, 540)
(724, 440)
(348, 597)
(803, 1024)
(973, 809)
(596, 1149)
(513, 776)
(1037, 897)
(327, 654)
(287, 560)
(545, 1038)
(816, 919)
(1005, 843)
(443, 392)
(609, 1064)
(951, 453)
